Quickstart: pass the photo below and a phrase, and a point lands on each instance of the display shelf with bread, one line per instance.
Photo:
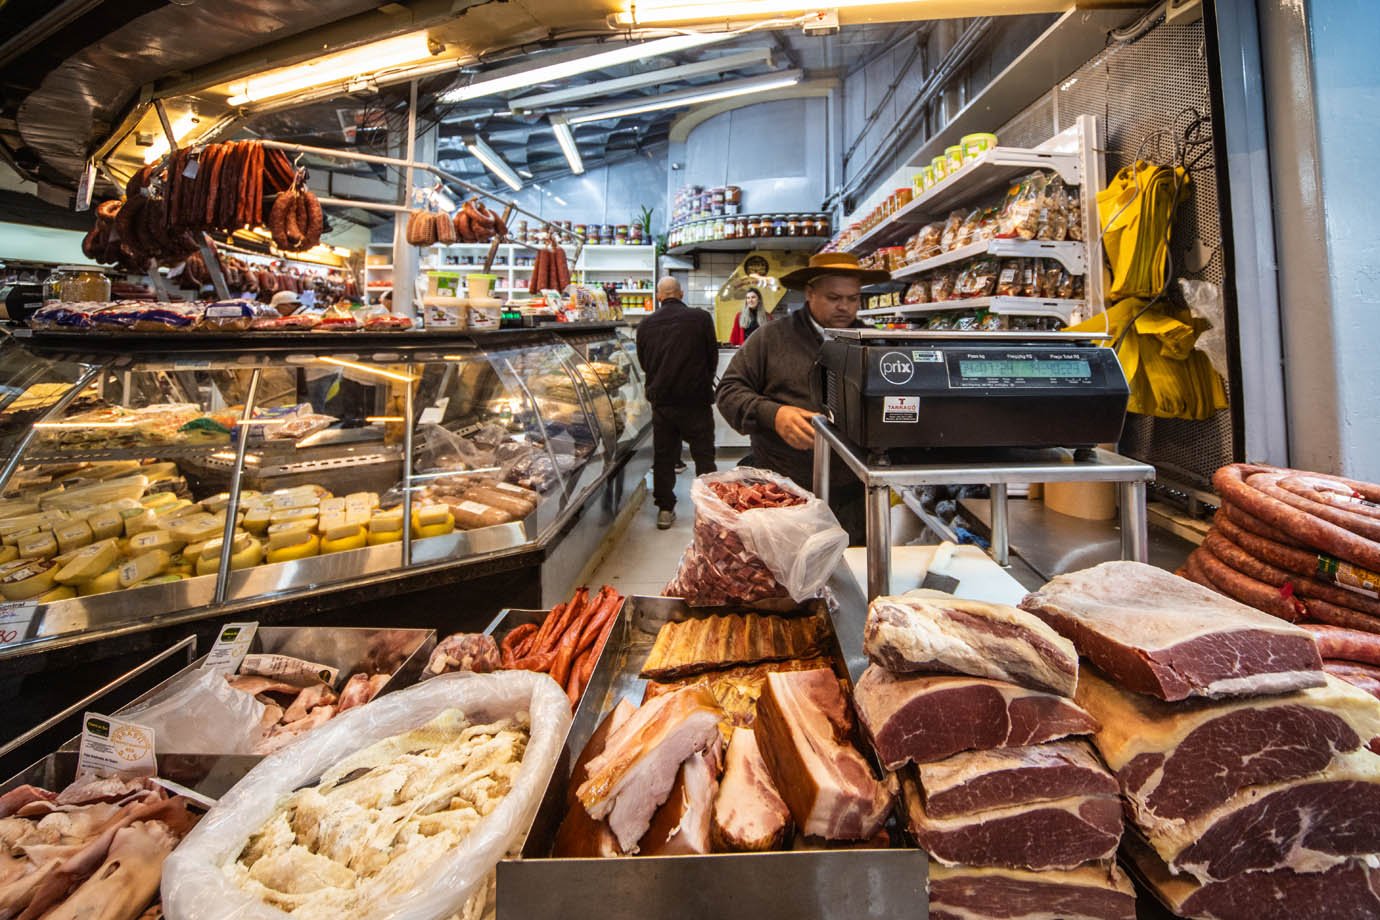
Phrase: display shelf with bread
(168, 486)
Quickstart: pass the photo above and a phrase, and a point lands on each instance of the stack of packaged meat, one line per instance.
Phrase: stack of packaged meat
(973, 704)
(1244, 767)
(1305, 548)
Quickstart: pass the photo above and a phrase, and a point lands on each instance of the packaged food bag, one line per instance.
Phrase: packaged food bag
(758, 537)
(196, 885)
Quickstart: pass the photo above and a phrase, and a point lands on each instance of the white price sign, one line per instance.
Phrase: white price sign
(15, 619)
(115, 746)
(231, 646)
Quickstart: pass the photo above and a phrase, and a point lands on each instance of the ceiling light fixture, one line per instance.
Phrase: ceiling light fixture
(160, 146)
(574, 66)
(566, 138)
(687, 97)
(494, 163)
(650, 78)
(350, 66)
(648, 12)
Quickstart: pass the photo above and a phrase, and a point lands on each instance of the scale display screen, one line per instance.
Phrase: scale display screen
(1024, 368)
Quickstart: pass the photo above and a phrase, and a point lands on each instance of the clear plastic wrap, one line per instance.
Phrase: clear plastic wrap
(197, 887)
(202, 714)
(786, 545)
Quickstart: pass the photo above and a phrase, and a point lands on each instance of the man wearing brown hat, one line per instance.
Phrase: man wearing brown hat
(766, 391)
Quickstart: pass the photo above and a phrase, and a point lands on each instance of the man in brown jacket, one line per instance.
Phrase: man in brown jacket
(766, 392)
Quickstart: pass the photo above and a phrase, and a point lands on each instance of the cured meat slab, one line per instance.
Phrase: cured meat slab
(749, 814)
(933, 632)
(1165, 636)
(682, 826)
(1059, 834)
(1178, 760)
(1097, 891)
(1307, 825)
(803, 729)
(924, 718)
(980, 780)
(736, 689)
(634, 773)
(707, 643)
(1348, 891)
(580, 834)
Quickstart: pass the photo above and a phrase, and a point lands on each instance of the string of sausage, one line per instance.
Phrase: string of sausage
(569, 641)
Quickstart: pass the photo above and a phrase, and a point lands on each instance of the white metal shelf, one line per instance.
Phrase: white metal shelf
(994, 169)
(1062, 310)
(1071, 254)
(378, 268)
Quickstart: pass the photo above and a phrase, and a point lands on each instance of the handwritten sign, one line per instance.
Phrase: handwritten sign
(15, 619)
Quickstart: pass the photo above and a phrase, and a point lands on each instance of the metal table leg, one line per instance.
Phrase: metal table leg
(878, 541)
(823, 454)
(1001, 533)
(1135, 529)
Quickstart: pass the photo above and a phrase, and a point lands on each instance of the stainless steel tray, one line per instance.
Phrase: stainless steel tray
(405, 650)
(791, 885)
(211, 775)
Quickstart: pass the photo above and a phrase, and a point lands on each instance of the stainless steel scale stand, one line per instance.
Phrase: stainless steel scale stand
(1039, 466)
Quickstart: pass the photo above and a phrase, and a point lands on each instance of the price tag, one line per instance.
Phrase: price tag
(231, 646)
(192, 168)
(431, 415)
(115, 746)
(86, 185)
(15, 618)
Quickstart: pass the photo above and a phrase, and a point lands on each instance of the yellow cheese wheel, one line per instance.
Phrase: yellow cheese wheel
(339, 539)
(60, 593)
(27, 578)
(103, 583)
(88, 562)
(250, 555)
(432, 521)
(308, 545)
(256, 519)
(181, 565)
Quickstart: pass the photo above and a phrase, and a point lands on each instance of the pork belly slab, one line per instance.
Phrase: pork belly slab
(1096, 891)
(1308, 825)
(1162, 635)
(579, 834)
(634, 773)
(937, 633)
(1057, 834)
(682, 826)
(1348, 891)
(803, 727)
(923, 718)
(749, 814)
(1178, 760)
(979, 780)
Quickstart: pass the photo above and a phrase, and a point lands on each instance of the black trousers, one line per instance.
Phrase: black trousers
(670, 426)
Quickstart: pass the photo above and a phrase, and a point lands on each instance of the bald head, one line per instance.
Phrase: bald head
(669, 288)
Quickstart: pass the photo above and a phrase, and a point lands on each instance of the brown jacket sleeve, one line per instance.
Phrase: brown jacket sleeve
(740, 398)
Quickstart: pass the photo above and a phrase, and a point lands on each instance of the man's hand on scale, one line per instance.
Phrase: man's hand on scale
(793, 425)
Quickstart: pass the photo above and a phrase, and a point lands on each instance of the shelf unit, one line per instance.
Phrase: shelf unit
(1071, 254)
(1063, 310)
(748, 244)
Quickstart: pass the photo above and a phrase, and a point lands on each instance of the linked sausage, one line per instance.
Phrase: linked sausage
(1269, 484)
(1311, 530)
(1367, 679)
(1242, 587)
(1346, 644)
(1249, 564)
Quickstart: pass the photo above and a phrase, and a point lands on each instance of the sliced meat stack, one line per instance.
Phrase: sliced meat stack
(972, 702)
(1244, 768)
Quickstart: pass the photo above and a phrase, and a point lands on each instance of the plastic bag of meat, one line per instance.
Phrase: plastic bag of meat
(758, 537)
(202, 714)
(474, 652)
(483, 746)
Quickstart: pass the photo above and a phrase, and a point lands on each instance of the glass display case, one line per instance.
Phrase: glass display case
(173, 480)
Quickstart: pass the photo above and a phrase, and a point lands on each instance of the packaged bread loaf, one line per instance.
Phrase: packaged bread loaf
(515, 500)
(471, 515)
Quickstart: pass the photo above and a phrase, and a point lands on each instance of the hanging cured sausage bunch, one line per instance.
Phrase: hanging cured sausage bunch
(220, 187)
(551, 272)
(1301, 546)
(295, 220)
(475, 223)
(427, 228)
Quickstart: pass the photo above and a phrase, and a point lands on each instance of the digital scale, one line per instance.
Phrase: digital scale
(886, 390)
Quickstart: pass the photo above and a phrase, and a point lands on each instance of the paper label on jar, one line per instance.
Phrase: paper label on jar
(296, 671)
(114, 746)
(473, 508)
(231, 646)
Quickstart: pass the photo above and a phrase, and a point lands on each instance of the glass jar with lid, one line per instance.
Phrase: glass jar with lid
(77, 284)
(778, 225)
(793, 225)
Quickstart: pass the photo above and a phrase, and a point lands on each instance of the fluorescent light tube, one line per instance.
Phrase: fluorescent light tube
(160, 146)
(566, 138)
(494, 163)
(687, 97)
(570, 67)
(352, 66)
(650, 78)
(647, 12)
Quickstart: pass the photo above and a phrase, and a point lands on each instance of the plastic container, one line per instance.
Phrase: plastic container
(446, 312)
(485, 313)
(953, 157)
(76, 284)
(974, 145)
(939, 166)
(480, 286)
(443, 284)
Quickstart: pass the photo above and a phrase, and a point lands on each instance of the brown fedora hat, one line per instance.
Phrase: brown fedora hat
(834, 263)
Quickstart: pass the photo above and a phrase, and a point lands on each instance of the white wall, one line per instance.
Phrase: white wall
(41, 244)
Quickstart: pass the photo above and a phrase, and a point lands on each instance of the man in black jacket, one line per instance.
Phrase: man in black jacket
(679, 353)
(766, 392)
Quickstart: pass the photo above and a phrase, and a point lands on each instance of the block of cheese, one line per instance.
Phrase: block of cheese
(24, 579)
(256, 519)
(146, 565)
(41, 545)
(104, 583)
(106, 524)
(385, 527)
(245, 552)
(346, 537)
(72, 535)
(432, 521)
(294, 544)
(88, 562)
(197, 528)
(151, 540)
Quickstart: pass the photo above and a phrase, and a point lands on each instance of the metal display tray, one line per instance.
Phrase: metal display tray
(212, 775)
(349, 649)
(789, 885)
